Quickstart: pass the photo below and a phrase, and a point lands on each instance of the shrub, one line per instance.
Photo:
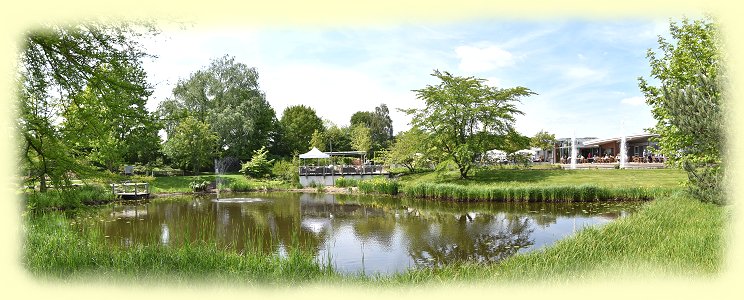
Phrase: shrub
(258, 166)
(379, 185)
(199, 186)
(286, 170)
(68, 198)
(346, 182)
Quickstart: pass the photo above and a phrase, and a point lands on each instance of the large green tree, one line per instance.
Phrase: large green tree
(464, 117)
(61, 69)
(226, 95)
(193, 144)
(410, 149)
(688, 105)
(379, 123)
(298, 123)
(544, 141)
(361, 138)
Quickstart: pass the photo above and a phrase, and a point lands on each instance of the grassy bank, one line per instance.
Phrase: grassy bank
(53, 248)
(544, 193)
(674, 235)
(610, 178)
(71, 198)
(234, 182)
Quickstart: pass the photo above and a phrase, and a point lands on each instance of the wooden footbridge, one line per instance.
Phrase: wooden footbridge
(131, 190)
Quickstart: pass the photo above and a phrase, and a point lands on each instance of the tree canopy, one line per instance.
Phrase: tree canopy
(410, 149)
(543, 140)
(379, 123)
(74, 81)
(192, 144)
(689, 106)
(464, 117)
(227, 97)
(298, 123)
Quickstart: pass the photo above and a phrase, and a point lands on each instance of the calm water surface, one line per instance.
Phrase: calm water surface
(357, 233)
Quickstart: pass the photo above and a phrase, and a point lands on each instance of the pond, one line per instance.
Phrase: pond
(354, 233)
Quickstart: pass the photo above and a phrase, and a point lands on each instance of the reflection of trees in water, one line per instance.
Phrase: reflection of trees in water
(261, 226)
(464, 237)
(435, 233)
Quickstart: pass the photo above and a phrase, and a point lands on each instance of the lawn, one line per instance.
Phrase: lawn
(175, 184)
(611, 178)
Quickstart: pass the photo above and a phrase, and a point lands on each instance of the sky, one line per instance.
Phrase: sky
(583, 71)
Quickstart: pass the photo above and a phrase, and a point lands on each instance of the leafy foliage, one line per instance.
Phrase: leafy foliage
(287, 170)
(543, 140)
(226, 96)
(63, 69)
(465, 117)
(298, 123)
(688, 106)
(379, 123)
(192, 144)
(361, 139)
(410, 149)
(258, 166)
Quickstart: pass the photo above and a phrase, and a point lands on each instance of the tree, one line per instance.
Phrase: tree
(259, 166)
(225, 95)
(688, 106)
(192, 144)
(298, 124)
(544, 141)
(410, 149)
(379, 123)
(361, 139)
(62, 65)
(464, 117)
(316, 140)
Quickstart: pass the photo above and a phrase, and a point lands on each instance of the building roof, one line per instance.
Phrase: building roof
(314, 153)
(628, 138)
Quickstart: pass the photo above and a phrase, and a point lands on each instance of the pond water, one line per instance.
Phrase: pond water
(369, 234)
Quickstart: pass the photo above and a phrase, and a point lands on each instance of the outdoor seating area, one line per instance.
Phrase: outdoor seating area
(340, 170)
(614, 159)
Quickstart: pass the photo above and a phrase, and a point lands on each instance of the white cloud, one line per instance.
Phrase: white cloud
(334, 92)
(474, 59)
(634, 101)
(583, 73)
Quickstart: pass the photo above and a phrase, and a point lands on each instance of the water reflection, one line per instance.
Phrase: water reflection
(358, 233)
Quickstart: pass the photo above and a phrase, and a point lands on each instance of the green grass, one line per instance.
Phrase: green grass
(234, 182)
(674, 235)
(613, 178)
(546, 193)
(55, 248)
(68, 199)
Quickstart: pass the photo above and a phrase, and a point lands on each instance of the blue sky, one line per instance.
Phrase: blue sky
(585, 72)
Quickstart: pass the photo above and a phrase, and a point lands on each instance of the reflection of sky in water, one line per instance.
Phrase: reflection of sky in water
(377, 236)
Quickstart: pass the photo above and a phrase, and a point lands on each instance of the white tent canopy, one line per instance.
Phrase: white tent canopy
(314, 153)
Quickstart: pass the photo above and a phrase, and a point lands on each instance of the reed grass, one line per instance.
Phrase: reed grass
(68, 198)
(346, 182)
(55, 248)
(379, 185)
(674, 235)
(554, 193)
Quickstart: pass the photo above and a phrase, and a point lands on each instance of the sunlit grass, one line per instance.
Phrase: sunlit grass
(674, 235)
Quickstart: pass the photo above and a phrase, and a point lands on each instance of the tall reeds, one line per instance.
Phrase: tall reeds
(559, 193)
(58, 247)
(379, 185)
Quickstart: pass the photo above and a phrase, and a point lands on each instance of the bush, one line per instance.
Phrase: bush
(239, 186)
(286, 170)
(68, 198)
(346, 182)
(379, 185)
(199, 186)
(258, 166)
